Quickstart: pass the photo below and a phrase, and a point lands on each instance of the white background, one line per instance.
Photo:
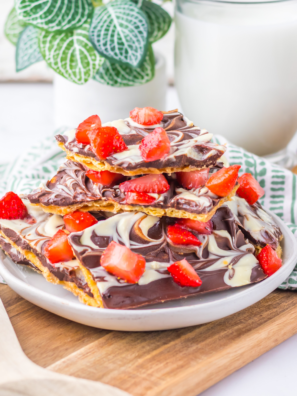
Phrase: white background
(26, 116)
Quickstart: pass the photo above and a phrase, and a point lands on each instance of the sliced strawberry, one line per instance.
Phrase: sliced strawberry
(196, 225)
(78, 221)
(147, 184)
(138, 198)
(58, 249)
(86, 126)
(12, 207)
(184, 274)
(106, 178)
(193, 179)
(146, 116)
(181, 236)
(269, 260)
(249, 188)
(122, 262)
(155, 145)
(223, 181)
(106, 141)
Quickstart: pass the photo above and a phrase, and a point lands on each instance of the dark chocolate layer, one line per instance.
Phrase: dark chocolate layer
(16, 256)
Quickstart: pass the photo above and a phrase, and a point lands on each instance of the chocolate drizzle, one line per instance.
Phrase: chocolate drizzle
(190, 146)
(256, 224)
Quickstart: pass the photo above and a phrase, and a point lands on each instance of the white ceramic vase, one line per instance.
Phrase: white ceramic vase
(74, 103)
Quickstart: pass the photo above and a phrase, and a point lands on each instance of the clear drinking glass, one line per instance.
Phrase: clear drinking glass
(236, 69)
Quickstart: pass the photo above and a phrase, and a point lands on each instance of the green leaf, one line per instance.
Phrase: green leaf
(70, 54)
(119, 32)
(125, 76)
(159, 20)
(55, 15)
(27, 50)
(13, 27)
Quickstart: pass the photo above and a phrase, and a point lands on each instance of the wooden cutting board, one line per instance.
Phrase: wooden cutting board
(175, 362)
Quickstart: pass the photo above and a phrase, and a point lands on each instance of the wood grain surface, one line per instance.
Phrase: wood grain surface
(175, 362)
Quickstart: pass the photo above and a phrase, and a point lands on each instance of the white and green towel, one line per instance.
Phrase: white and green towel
(42, 161)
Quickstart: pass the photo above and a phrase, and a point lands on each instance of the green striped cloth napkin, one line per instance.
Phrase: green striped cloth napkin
(42, 161)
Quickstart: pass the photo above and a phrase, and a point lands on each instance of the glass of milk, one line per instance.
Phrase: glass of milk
(236, 69)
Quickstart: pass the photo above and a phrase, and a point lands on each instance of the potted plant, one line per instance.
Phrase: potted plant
(101, 53)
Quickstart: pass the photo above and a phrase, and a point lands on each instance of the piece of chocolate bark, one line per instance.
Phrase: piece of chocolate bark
(190, 148)
(16, 256)
(256, 224)
(71, 189)
(29, 236)
(223, 261)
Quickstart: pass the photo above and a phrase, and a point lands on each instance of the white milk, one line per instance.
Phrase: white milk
(236, 70)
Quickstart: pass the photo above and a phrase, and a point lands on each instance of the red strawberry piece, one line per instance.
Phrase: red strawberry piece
(122, 262)
(269, 260)
(78, 221)
(58, 248)
(223, 181)
(181, 236)
(147, 184)
(86, 126)
(196, 225)
(105, 177)
(184, 274)
(139, 198)
(249, 188)
(155, 145)
(146, 116)
(12, 207)
(106, 141)
(193, 179)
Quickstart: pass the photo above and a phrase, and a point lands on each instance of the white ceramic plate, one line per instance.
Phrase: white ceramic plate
(172, 315)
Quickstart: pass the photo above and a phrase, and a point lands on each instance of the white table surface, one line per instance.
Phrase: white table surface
(26, 115)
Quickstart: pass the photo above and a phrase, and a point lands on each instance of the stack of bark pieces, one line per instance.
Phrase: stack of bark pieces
(142, 211)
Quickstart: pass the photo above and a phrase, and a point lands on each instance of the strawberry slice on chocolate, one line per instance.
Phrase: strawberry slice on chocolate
(106, 141)
(106, 178)
(269, 260)
(12, 207)
(249, 188)
(146, 116)
(184, 274)
(86, 126)
(58, 248)
(204, 228)
(147, 184)
(223, 181)
(155, 145)
(181, 236)
(122, 262)
(138, 198)
(195, 179)
(78, 221)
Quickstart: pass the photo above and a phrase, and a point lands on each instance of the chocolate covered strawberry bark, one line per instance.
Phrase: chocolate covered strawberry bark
(40, 240)
(75, 187)
(132, 259)
(135, 146)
